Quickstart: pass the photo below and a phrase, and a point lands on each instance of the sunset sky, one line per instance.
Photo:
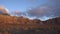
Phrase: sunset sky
(41, 9)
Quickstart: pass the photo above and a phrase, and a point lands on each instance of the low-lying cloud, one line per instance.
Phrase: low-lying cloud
(39, 12)
(18, 13)
(3, 10)
(49, 9)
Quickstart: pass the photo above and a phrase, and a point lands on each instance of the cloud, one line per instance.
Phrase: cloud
(49, 9)
(39, 12)
(45, 11)
(3, 10)
(56, 6)
(18, 13)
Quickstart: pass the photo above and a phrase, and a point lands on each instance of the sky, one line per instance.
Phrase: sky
(22, 5)
(41, 9)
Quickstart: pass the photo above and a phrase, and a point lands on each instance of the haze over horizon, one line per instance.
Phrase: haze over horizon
(40, 9)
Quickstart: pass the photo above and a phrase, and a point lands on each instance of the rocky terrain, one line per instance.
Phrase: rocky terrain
(22, 25)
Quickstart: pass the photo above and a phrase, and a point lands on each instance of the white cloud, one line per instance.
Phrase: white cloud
(4, 10)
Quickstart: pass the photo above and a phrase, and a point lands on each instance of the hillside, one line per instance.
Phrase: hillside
(23, 25)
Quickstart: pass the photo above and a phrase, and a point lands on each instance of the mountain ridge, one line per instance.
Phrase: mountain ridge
(22, 25)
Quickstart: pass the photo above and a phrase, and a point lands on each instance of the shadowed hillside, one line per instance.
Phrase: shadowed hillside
(22, 25)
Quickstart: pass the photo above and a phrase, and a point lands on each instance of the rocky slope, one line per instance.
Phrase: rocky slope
(22, 25)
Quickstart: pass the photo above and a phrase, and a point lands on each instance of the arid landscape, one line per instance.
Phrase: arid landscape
(22, 25)
(29, 16)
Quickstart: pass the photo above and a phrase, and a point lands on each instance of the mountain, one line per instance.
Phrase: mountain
(22, 25)
(54, 21)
